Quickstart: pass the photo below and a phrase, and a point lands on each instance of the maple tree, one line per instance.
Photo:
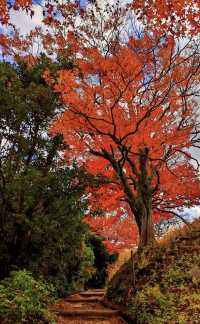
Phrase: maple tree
(131, 110)
(131, 117)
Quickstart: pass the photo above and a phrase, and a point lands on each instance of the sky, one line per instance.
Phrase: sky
(23, 21)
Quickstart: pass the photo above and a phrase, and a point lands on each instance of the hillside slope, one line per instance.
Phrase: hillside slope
(167, 282)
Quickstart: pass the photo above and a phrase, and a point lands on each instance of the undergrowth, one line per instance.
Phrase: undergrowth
(24, 299)
(167, 282)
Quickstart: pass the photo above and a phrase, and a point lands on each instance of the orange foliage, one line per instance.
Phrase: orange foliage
(118, 234)
(6, 6)
(130, 109)
(174, 17)
(3, 11)
(121, 104)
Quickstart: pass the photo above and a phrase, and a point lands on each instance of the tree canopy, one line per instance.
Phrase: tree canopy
(131, 106)
(42, 201)
(131, 116)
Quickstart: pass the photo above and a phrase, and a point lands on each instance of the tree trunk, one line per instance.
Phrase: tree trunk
(145, 226)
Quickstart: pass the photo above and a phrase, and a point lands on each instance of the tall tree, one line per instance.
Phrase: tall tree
(132, 117)
(41, 200)
(164, 87)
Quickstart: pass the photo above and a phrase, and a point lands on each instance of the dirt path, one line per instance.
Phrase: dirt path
(86, 308)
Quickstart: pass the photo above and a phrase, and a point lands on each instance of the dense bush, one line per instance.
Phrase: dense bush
(41, 200)
(167, 281)
(102, 259)
(24, 299)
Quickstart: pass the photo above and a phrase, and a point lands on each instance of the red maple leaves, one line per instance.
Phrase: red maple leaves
(131, 107)
(131, 117)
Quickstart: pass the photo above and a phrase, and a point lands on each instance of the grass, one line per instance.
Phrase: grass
(113, 268)
(167, 288)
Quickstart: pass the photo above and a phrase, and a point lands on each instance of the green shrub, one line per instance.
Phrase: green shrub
(44, 201)
(24, 299)
(153, 307)
(102, 259)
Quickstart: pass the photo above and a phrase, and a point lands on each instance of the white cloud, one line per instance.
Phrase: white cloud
(196, 211)
(191, 213)
(24, 22)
